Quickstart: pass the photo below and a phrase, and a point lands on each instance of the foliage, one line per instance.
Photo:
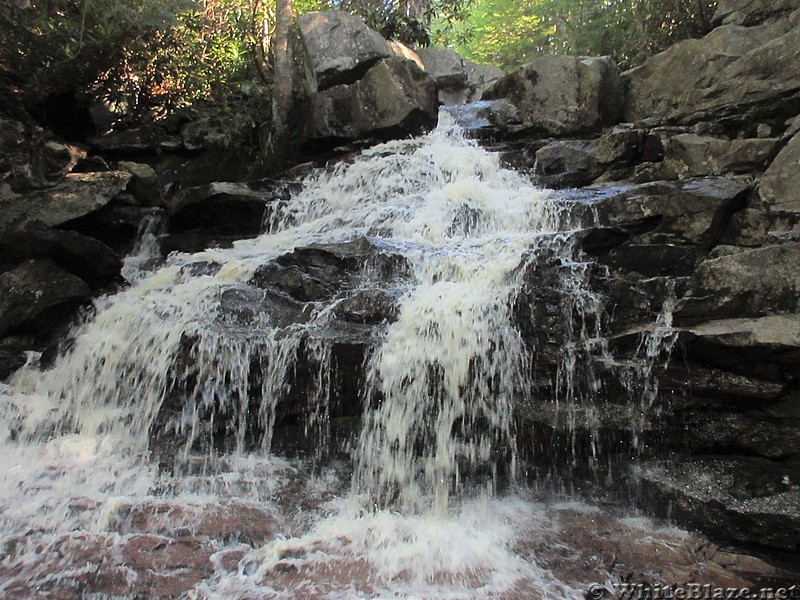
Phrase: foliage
(511, 32)
(408, 21)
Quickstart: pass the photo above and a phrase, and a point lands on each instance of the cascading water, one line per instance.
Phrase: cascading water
(166, 360)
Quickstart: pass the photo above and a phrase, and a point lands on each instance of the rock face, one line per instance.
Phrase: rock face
(561, 95)
(458, 80)
(734, 73)
(395, 98)
(752, 12)
(339, 47)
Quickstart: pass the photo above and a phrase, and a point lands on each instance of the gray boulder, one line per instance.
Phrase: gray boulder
(445, 66)
(737, 73)
(750, 283)
(339, 48)
(395, 98)
(562, 95)
(76, 196)
(752, 12)
(690, 155)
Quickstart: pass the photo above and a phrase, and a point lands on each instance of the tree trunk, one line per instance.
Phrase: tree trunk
(282, 90)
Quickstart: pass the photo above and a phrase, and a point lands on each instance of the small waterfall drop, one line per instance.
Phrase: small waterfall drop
(194, 352)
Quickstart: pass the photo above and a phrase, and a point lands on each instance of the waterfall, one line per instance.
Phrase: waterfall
(193, 352)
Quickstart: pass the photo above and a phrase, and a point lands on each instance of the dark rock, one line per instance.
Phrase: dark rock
(752, 283)
(116, 225)
(78, 195)
(693, 212)
(765, 348)
(653, 260)
(12, 354)
(600, 240)
(368, 307)
(566, 164)
(224, 210)
(741, 500)
(143, 141)
(701, 383)
(620, 146)
(339, 47)
(395, 98)
(562, 95)
(145, 185)
(86, 257)
(37, 294)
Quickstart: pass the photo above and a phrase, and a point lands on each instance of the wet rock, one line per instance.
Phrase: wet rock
(564, 164)
(752, 12)
(395, 98)
(116, 225)
(244, 306)
(319, 272)
(81, 255)
(12, 354)
(36, 294)
(752, 433)
(228, 521)
(219, 213)
(742, 500)
(752, 283)
(78, 195)
(689, 155)
(339, 48)
(654, 260)
(690, 212)
(368, 307)
(487, 118)
(694, 384)
(561, 95)
(766, 347)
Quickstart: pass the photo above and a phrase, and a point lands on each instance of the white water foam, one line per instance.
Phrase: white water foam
(439, 389)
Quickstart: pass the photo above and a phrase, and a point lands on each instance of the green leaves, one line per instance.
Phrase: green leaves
(509, 33)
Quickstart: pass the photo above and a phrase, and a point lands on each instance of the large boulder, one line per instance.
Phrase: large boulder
(395, 98)
(562, 95)
(737, 73)
(752, 12)
(743, 500)
(339, 47)
(37, 294)
(690, 155)
(78, 195)
(750, 283)
(79, 254)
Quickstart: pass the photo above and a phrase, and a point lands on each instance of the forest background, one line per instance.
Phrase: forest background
(149, 59)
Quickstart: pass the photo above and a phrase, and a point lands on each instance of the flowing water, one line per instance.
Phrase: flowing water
(162, 370)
